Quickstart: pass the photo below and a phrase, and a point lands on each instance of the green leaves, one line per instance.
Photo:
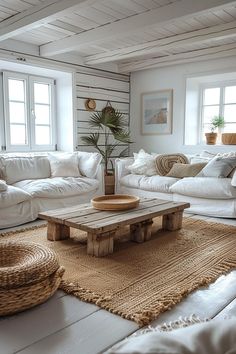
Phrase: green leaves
(112, 133)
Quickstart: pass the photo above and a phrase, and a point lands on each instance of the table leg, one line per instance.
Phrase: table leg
(172, 221)
(141, 231)
(100, 245)
(57, 232)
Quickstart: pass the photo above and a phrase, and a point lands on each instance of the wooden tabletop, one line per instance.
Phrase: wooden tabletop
(86, 218)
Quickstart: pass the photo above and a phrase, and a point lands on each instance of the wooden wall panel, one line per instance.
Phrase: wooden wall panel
(102, 89)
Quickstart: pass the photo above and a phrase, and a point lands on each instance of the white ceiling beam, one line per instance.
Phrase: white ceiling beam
(163, 15)
(38, 15)
(174, 59)
(202, 36)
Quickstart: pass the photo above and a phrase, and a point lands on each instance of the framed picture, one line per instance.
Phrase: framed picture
(157, 112)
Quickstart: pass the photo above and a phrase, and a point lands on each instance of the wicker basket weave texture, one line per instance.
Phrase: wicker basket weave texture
(29, 275)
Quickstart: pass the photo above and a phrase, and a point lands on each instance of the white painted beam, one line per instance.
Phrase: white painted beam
(163, 15)
(38, 15)
(202, 36)
(180, 58)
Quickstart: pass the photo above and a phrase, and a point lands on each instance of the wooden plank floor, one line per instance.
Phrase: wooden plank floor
(66, 325)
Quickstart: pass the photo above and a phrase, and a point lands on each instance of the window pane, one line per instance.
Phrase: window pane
(41, 93)
(230, 94)
(16, 90)
(209, 113)
(42, 135)
(230, 128)
(230, 113)
(18, 134)
(17, 112)
(42, 114)
(212, 96)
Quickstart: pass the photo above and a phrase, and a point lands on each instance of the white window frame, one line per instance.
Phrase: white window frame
(221, 85)
(30, 118)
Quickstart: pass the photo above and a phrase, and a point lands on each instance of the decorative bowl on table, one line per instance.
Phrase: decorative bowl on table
(115, 202)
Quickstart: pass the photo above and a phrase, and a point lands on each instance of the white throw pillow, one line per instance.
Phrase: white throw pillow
(19, 168)
(64, 165)
(89, 163)
(144, 164)
(3, 186)
(219, 166)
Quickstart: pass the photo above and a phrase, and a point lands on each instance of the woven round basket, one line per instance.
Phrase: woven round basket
(29, 275)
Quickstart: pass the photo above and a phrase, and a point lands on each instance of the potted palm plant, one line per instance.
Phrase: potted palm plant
(111, 133)
(217, 122)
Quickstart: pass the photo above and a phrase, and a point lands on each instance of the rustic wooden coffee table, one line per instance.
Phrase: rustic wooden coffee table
(101, 226)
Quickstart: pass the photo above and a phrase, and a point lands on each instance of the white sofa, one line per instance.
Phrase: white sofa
(207, 195)
(31, 188)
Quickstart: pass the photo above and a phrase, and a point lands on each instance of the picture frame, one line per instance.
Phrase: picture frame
(156, 108)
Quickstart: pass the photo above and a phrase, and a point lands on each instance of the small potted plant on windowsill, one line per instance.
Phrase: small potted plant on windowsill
(217, 122)
(112, 133)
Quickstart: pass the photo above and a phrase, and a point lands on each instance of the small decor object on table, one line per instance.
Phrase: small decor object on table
(157, 112)
(111, 140)
(115, 202)
(29, 275)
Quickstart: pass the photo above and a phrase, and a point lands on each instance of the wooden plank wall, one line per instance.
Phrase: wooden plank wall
(102, 86)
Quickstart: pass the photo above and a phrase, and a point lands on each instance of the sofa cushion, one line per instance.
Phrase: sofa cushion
(205, 187)
(219, 166)
(180, 170)
(89, 163)
(14, 169)
(13, 196)
(165, 162)
(154, 183)
(58, 187)
(64, 165)
(216, 336)
(144, 164)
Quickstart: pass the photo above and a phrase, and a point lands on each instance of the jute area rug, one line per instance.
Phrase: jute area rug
(140, 281)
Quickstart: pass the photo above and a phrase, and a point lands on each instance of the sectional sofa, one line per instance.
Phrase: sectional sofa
(209, 196)
(32, 183)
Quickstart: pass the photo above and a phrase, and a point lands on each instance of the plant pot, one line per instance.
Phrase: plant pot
(228, 138)
(109, 184)
(211, 138)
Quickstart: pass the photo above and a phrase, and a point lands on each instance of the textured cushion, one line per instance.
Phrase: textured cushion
(219, 166)
(89, 163)
(3, 186)
(165, 162)
(202, 187)
(216, 336)
(144, 164)
(64, 165)
(180, 170)
(13, 196)
(154, 183)
(14, 169)
(58, 187)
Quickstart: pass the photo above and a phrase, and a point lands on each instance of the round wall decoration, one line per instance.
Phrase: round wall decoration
(90, 104)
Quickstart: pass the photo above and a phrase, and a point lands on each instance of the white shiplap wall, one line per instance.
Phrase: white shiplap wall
(102, 86)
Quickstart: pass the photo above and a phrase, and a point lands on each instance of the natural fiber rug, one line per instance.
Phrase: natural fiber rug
(139, 281)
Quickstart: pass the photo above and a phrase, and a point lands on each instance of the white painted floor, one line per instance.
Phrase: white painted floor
(66, 325)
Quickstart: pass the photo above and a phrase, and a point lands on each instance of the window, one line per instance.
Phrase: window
(29, 112)
(219, 100)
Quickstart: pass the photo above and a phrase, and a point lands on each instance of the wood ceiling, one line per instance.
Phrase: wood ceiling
(134, 34)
